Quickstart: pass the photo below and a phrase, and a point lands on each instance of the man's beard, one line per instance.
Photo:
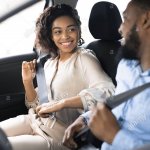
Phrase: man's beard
(131, 48)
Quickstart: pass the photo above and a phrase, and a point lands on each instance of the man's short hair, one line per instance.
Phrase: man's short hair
(143, 4)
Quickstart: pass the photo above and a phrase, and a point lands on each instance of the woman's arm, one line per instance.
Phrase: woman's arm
(100, 84)
(46, 108)
(28, 73)
(94, 76)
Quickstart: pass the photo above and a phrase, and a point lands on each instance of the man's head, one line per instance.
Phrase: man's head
(135, 29)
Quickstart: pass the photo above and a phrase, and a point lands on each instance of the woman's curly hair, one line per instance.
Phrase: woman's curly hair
(44, 26)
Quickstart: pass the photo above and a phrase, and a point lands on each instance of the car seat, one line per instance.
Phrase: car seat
(104, 22)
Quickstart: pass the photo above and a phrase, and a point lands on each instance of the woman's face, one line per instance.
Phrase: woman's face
(65, 34)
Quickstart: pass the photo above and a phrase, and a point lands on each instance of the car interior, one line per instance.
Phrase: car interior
(103, 24)
(4, 143)
(105, 44)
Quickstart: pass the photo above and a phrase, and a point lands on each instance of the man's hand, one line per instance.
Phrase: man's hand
(103, 123)
(70, 132)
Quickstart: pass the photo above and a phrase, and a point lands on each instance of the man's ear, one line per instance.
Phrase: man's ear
(146, 20)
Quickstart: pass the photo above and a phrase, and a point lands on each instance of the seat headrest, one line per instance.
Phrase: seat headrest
(104, 21)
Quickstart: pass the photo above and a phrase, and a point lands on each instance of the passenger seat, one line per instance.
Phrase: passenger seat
(104, 23)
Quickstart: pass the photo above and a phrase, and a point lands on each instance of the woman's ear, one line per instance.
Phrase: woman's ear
(146, 20)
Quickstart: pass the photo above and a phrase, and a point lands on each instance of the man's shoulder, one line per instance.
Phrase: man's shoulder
(125, 63)
(127, 70)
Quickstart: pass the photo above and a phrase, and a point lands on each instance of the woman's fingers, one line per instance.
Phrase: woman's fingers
(40, 110)
(44, 110)
(32, 65)
(24, 64)
(47, 108)
(28, 70)
(29, 65)
(51, 107)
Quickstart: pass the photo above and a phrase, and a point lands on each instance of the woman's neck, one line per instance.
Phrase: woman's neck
(63, 56)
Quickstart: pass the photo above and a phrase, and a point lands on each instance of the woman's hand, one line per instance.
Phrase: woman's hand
(45, 109)
(28, 70)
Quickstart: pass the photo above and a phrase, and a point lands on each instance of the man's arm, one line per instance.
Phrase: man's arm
(105, 127)
(124, 139)
(103, 123)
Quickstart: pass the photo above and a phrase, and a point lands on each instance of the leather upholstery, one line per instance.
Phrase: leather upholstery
(104, 23)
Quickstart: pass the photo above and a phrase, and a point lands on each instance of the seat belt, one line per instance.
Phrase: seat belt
(116, 100)
(111, 102)
(41, 81)
(40, 75)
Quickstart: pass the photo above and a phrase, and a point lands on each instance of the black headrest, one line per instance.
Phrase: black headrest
(104, 21)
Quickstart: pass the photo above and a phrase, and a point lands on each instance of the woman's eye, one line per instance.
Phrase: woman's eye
(57, 32)
(72, 29)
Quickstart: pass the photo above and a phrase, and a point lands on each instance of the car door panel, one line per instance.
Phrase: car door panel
(11, 86)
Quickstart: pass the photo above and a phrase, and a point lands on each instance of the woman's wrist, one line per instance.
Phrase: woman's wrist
(27, 81)
(72, 102)
(63, 103)
(28, 84)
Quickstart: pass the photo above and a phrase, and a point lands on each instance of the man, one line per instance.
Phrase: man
(128, 125)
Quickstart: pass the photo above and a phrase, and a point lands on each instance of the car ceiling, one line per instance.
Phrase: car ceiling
(12, 7)
(69, 2)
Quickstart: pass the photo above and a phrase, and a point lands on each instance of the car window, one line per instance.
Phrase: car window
(17, 33)
(85, 12)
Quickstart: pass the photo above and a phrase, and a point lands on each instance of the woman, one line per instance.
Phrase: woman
(69, 72)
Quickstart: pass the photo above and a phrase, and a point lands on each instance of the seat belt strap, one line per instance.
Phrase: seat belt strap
(40, 74)
(116, 100)
(41, 81)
